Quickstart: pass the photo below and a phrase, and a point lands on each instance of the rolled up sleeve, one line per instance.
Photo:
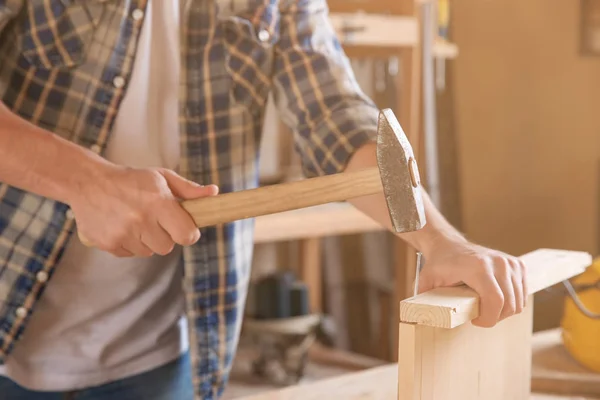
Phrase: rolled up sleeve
(316, 92)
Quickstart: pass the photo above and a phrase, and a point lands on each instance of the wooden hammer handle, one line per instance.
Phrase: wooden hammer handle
(229, 207)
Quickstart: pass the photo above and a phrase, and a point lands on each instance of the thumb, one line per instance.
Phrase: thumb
(437, 275)
(186, 189)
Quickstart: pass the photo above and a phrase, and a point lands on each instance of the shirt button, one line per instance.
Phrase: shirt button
(96, 148)
(119, 82)
(21, 312)
(42, 276)
(264, 35)
(70, 214)
(137, 14)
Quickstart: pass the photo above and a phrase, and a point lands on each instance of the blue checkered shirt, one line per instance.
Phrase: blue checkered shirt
(58, 64)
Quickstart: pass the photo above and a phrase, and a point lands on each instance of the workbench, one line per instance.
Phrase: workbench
(443, 357)
(553, 371)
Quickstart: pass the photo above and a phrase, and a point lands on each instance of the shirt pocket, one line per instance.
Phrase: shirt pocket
(57, 33)
(250, 38)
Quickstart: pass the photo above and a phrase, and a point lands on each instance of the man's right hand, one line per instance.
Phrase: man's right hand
(136, 212)
(125, 211)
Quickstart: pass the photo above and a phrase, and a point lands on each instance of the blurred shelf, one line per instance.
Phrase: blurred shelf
(443, 49)
(368, 6)
(377, 30)
(325, 220)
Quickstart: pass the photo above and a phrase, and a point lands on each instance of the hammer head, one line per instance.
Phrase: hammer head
(399, 175)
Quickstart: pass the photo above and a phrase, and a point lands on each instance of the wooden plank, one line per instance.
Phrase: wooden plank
(453, 306)
(325, 220)
(555, 371)
(409, 356)
(467, 362)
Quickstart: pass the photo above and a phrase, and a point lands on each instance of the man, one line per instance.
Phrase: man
(102, 101)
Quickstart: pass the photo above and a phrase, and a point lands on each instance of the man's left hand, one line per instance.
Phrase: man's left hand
(498, 278)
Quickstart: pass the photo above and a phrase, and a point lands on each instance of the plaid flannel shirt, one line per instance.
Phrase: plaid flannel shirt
(64, 66)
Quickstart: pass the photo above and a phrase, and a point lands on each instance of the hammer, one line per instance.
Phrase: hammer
(396, 175)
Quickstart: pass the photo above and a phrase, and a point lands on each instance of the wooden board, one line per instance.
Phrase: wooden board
(555, 371)
(443, 357)
(451, 307)
(467, 362)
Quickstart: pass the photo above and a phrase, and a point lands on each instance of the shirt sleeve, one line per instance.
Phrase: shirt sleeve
(8, 10)
(316, 92)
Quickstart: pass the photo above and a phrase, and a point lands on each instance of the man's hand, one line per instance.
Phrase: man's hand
(498, 278)
(136, 212)
(449, 258)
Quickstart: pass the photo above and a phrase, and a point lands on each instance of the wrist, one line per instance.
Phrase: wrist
(431, 238)
(91, 171)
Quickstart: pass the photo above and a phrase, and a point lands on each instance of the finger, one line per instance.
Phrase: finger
(517, 283)
(121, 252)
(504, 278)
(443, 277)
(491, 298)
(137, 248)
(179, 225)
(524, 285)
(158, 240)
(186, 189)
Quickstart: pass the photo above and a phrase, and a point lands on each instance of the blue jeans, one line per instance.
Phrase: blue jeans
(172, 381)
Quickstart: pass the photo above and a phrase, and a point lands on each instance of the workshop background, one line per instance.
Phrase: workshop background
(501, 100)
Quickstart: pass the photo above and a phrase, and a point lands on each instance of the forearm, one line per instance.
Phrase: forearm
(41, 162)
(436, 230)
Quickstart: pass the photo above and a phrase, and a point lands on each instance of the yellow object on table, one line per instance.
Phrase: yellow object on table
(580, 333)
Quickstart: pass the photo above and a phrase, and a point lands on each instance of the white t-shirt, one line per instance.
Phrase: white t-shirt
(103, 318)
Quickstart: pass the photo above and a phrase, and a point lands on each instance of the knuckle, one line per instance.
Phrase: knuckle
(136, 218)
(496, 300)
(483, 270)
(509, 309)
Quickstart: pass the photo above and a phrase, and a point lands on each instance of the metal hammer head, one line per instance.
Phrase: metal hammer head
(399, 175)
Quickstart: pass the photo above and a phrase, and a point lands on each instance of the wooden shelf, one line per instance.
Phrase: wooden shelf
(326, 220)
(442, 49)
(376, 30)
(368, 6)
